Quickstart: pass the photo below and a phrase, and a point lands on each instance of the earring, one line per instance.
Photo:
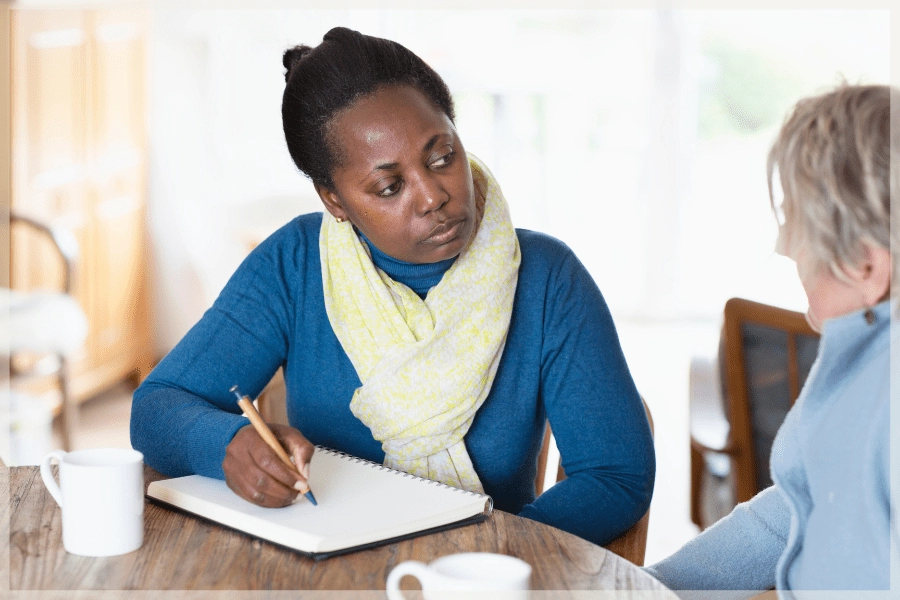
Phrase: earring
(869, 316)
(339, 220)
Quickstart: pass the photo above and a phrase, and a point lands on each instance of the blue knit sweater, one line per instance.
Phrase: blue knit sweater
(826, 523)
(562, 362)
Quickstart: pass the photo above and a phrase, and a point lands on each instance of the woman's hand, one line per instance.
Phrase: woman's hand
(255, 473)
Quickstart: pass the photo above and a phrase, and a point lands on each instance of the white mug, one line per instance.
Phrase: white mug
(101, 494)
(479, 574)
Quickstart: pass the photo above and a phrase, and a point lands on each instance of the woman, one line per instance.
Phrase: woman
(415, 326)
(825, 524)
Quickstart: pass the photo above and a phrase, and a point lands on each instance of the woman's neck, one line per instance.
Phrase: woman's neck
(418, 277)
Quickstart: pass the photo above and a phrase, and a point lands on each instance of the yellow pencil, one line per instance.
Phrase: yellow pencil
(269, 438)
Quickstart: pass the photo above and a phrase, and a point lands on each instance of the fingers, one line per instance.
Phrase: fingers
(269, 466)
(255, 473)
(260, 487)
(298, 447)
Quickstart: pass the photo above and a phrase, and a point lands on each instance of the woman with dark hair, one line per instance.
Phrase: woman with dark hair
(416, 327)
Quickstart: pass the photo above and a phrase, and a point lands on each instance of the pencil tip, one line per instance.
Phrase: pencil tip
(311, 498)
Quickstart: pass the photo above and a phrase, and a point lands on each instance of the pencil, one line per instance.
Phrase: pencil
(269, 438)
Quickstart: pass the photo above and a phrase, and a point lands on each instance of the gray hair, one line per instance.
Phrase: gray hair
(833, 157)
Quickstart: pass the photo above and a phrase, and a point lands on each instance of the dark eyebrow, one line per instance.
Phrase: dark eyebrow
(431, 142)
(428, 146)
(385, 167)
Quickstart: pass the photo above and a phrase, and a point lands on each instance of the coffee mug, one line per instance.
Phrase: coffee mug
(481, 574)
(101, 494)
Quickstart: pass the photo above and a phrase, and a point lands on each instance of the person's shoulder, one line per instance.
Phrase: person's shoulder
(309, 223)
(296, 235)
(303, 226)
(546, 255)
(291, 252)
(542, 247)
(549, 265)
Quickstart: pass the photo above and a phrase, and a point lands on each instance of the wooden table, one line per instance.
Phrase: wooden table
(181, 552)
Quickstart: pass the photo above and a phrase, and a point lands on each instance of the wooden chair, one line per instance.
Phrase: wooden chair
(765, 356)
(272, 401)
(631, 545)
(28, 363)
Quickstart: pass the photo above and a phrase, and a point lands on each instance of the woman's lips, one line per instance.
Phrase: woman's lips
(445, 233)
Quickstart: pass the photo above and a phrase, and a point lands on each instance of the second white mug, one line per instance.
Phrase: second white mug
(465, 575)
(101, 494)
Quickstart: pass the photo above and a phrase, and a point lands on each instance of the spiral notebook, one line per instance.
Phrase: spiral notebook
(361, 504)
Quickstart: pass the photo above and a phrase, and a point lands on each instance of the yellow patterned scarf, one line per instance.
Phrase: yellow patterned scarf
(426, 365)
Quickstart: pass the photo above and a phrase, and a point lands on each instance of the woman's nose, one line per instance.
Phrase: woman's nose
(431, 194)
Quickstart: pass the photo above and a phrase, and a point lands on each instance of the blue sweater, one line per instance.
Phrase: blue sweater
(826, 523)
(562, 362)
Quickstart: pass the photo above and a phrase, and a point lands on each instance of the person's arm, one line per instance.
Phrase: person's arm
(739, 552)
(595, 412)
(892, 449)
(183, 415)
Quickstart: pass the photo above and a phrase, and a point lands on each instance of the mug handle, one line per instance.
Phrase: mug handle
(47, 475)
(417, 569)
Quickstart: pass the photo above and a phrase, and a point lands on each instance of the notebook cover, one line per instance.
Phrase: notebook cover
(317, 556)
(334, 454)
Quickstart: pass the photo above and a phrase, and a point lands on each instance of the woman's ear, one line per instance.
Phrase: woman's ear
(332, 202)
(872, 276)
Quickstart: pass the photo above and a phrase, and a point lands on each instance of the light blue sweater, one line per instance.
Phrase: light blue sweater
(826, 523)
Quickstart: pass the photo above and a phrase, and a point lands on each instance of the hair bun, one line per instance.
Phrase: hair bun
(292, 56)
(337, 33)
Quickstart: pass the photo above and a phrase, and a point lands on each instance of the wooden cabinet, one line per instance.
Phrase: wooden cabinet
(79, 161)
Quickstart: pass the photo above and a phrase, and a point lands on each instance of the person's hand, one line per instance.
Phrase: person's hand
(255, 473)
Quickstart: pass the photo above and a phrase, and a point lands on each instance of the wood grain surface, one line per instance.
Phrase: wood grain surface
(181, 552)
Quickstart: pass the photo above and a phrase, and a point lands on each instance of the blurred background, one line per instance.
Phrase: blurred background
(148, 144)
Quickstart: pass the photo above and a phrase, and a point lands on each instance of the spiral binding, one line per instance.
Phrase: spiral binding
(404, 474)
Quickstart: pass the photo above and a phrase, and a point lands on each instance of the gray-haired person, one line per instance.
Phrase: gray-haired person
(825, 524)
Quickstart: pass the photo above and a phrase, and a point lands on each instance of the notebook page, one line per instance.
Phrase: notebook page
(359, 503)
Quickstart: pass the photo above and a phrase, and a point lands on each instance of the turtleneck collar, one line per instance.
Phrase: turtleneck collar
(420, 278)
(850, 338)
(854, 324)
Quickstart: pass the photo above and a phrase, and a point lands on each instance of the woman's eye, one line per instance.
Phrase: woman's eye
(443, 160)
(389, 190)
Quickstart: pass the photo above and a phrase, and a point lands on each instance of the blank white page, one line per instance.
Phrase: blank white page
(359, 503)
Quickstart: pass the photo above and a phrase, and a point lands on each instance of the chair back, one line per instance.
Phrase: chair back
(767, 355)
(62, 243)
(272, 401)
(37, 362)
(631, 545)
